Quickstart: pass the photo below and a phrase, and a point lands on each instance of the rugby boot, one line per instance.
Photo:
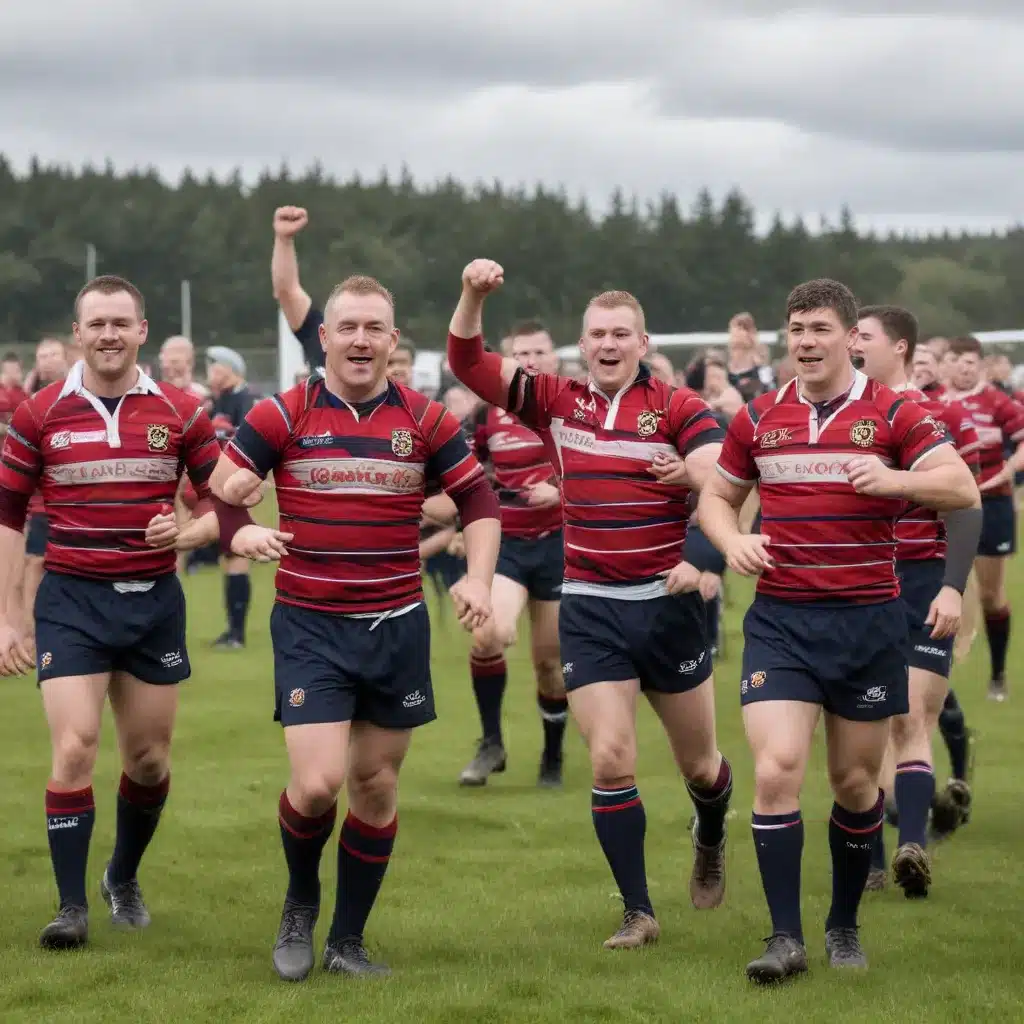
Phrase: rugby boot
(68, 930)
(707, 881)
(877, 878)
(997, 689)
(349, 956)
(843, 948)
(638, 929)
(912, 871)
(490, 757)
(227, 641)
(782, 958)
(293, 951)
(127, 908)
(550, 774)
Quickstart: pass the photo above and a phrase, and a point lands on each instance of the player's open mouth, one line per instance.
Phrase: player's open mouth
(609, 361)
(359, 360)
(809, 360)
(858, 361)
(111, 351)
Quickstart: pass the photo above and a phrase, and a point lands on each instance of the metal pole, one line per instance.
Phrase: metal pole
(90, 261)
(186, 310)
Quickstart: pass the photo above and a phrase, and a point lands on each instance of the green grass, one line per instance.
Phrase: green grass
(497, 900)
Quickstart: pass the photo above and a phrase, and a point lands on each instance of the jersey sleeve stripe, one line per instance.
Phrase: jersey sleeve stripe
(890, 416)
(283, 410)
(928, 451)
(13, 434)
(713, 435)
(739, 481)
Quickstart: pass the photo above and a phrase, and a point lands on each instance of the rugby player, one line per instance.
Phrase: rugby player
(106, 446)
(628, 450)
(835, 456)
(529, 572)
(933, 561)
(350, 452)
(998, 419)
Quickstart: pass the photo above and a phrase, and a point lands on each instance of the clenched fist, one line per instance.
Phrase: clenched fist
(289, 221)
(483, 277)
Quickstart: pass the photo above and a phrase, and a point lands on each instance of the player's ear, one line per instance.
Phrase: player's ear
(394, 341)
(323, 335)
(144, 330)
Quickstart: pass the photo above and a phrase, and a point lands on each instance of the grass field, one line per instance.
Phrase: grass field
(497, 900)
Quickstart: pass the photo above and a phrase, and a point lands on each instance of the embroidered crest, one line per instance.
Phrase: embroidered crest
(862, 433)
(757, 679)
(647, 423)
(297, 697)
(401, 443)
(157, 437)
(773, 438)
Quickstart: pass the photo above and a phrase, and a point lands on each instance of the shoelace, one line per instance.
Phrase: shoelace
(709, 866)
(355, 951)
(845, 941)
(127, 893)
(295, 925)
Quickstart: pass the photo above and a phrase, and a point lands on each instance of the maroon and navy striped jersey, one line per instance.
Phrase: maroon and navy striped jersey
(997, 418)
(827, 541)
(920, 532)
(104, 470)
(518, 459)
(350, 483)
(624, 530)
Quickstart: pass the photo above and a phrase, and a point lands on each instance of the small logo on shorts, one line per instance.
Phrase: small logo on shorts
(401, 443)
(744, 687)
(171, 659)
(873, 695)
(862, 433)
(297, 697)
(567, 668)
(413, 700)
(157, 437)
(937, 651)
(1005, 546)
(757, 679)
(647, 423)
(686, 667)
(45, 660)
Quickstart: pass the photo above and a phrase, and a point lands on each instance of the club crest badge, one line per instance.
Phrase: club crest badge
(157, 437)
(773, 438)
(401, 443)
(647, 423)
(862, 433)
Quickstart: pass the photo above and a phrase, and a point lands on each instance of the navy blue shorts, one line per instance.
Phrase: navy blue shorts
(37, 533)
(701, 553)
(445, 570)
(335, 668)
(663, 641)
(537, 565)
(998, 526)
(920, 581)
(85, 627)
(850, 659)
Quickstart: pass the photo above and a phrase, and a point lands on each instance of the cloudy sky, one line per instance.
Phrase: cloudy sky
(913, 113)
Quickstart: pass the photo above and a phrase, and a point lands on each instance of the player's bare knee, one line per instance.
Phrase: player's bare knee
(74, 756)
(315, 795)
(612, 758)
(548, 670)
(854, 787)
(903, 730)
(777, 779)
(373, 794)
(702, 768)
(486, 643)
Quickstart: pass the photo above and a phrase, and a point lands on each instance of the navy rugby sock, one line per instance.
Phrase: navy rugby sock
(304, 840)
(851, 836)
(363, 855)
(489, 677)
(954, 734)
(554, 713)
(621, 825)
(237, 595)
(712, 805)
(69, 820)
(915, 788)
(138, 813)
(997, 629)
(779, 844)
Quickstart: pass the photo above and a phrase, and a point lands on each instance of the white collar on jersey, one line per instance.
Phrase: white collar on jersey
(860, 382)
(74, 385)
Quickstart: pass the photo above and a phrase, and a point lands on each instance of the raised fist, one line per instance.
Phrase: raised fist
(289, 221)
(483, 276)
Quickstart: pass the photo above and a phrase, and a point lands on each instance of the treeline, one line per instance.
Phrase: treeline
(692, 265)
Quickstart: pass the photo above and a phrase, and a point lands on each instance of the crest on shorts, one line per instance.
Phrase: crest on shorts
(862, 433)
(401, 442)
(647, 423)
(757, 679)
(45, 660)
(297, 697)
(157, 437)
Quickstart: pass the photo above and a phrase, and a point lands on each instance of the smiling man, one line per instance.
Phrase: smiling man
(631, 620)
(352, 454)
(836, 457)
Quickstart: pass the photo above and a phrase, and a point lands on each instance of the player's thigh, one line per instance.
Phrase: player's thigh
(144, 715)
(926, 696)
(593, 640)
(73, 706)
(318, 758)
(780, 734)
(689, 722)
(544, 631)
(605, 712)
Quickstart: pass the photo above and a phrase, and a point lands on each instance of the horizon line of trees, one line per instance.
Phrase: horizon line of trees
(691, 268)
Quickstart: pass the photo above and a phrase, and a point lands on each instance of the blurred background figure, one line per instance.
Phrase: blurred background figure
(178, 363)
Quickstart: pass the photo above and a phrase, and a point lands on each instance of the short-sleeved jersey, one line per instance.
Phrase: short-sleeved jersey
(624, 530)
(10, 398)
(920, 532)
(104, 473)
(518, 459)
(827, 541)
(350, 484)
(997, 419)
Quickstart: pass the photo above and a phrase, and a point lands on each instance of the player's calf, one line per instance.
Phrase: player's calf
(554, 714)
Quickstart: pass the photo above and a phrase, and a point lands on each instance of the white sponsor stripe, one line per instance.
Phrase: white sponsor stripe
(356, 476)
(114, 471)
(989, 435)
(578, 439)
